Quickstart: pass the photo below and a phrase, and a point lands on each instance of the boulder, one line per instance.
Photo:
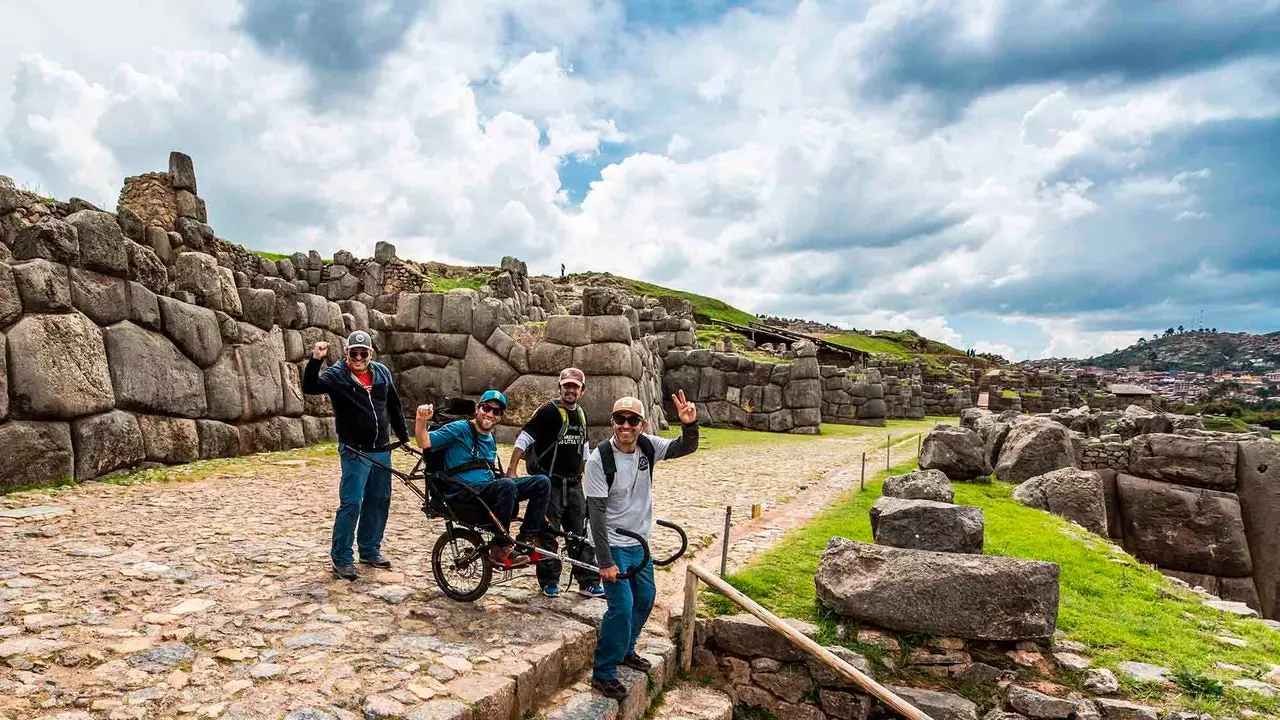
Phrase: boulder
(425, 384)
(182, 172)
(229, 292)
(291, 381)
(43, 286)
(993, 435)
(260, 359)
(920, 485)
(57, 368)
(157, 240)
(571, 330)
(217, 439)
(456, 314)
(976, 597)
(34, 452)
(1258, 470)
(806, 393)
(51, 239)
(316, 430)
(927, 525)
(605, 389)
(482, 369)
(102, 245)
(971, 418)
(873, 409)
(1034, 446)
(192, 328)
(604, 359)
(747, 636)
(1077, 495)
(195, 235)
(103, 298)
(146, 268)
(1181, 528)
(937, 705)
(384, 252)
(528, 393)
(106, 443)
(1194, 461)
(1038, 705)
(549, 358)
(150, 375)
(609, 328)
(144, 307)
(10, 298)
(957, 452)
(259, 306)
(1124, 710)
(169, 440)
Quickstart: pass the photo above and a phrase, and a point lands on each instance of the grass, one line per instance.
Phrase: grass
(873, 345)
(1225, 424)
(471, 282)
(1121, 609)
(1008, 394)
(274, 257)
(709, 335)
(704, 307)
(710, 438)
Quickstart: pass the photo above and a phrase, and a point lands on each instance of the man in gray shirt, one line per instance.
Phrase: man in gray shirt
(618, 483)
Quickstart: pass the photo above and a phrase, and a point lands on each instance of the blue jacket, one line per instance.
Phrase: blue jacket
(362, 416)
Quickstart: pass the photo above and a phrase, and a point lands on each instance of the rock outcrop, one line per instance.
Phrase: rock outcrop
(957, 452)
(1077, 495)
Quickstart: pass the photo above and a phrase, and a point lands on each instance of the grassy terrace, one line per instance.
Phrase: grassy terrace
(1121, 609)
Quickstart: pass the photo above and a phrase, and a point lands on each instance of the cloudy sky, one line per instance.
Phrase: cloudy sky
(1038, 179)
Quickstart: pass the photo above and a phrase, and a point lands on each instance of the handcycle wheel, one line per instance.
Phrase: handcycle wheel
(460, 565)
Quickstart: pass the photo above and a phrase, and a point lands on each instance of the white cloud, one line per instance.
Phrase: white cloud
(1005, 351)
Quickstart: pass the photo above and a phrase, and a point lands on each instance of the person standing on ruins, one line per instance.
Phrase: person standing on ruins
(366, 408)
(554, 443)
(619, 481)
(471, 456)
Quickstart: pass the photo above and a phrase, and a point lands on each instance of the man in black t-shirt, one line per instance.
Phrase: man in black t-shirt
(554, 443)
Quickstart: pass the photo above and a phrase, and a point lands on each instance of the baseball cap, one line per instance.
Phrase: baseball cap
(361, 339)
(493, 395)
(629, 404)
(572, 375)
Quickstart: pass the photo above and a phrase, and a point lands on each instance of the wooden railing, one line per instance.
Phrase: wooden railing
(694, 573)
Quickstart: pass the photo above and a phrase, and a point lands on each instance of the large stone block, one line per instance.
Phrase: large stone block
(10, 298)
(873, 409)
(144, 307)
(217, 440)
(229, 292)
(482, 369)
(606, 358)
(1184, 460)
(169, 440)
(927, 525)
(429, 309)
(456, 315)
(489, 314)
(291, 380)
(150, 374)
(43, 286)
(427, 384)
(608, 328)
(571, 330)
(1182, 528)
(51, 239)
(34, 452)
(941, 705)
(106, 443)
(316, 430)
(1077, 495)
(976, 597)
(260, 360)
(259, 306)
(102, 245)
(193, 328)
(957, 452)
(1258, 470)
(58, 368)
(196, 236)
(747, 636)
(805, 393)
(549, 358)
(604, 390)
(920, 485)
(182, 172)
(147, 268)
(105, 299)
(1034, 446)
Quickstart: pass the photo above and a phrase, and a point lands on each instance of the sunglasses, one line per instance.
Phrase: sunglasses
(495, 410)
(627, 419)
(358, 354)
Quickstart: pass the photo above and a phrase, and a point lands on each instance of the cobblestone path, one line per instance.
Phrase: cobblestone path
(212, 596)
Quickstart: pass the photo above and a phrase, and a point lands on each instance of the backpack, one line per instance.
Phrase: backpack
(435, 459)
(611, 469)
(538, 465)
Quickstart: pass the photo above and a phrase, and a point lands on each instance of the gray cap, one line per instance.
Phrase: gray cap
(360, 338)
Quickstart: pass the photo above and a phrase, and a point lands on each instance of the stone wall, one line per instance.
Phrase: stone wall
(736, 391)
(852, 398)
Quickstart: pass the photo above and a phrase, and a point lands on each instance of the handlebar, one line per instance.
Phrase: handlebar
(644, 547)
(684, 543)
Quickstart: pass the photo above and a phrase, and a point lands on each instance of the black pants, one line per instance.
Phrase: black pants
(566, 512)
(503, 496)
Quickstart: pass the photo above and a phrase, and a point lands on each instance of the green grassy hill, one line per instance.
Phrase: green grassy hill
(1197, 351)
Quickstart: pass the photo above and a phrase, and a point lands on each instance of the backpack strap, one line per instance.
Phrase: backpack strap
(610, 467)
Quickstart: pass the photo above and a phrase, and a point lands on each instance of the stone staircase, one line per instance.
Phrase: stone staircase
(577, 701)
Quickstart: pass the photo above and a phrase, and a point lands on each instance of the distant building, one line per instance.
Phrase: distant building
(1133, 394)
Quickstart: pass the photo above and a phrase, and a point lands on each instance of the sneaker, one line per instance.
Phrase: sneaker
(346, 572)
(504, 559)
(635, 661)
(379, 562)
(551, 591)
(610, 689)
(595, 590)
(533, 542)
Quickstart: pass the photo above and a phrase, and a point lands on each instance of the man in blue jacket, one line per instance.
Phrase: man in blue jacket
(365, 408)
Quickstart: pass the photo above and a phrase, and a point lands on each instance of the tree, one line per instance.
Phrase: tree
(1142, 341)
(1214, 330)
(1180, 330)
(1168, 332)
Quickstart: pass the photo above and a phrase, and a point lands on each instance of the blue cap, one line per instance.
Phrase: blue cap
(493, 395)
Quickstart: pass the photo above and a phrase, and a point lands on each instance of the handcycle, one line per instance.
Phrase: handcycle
(460, 562)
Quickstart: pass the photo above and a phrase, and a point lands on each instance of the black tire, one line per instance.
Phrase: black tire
(474, 577)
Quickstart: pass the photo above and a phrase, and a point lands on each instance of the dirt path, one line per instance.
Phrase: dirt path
(213, 596)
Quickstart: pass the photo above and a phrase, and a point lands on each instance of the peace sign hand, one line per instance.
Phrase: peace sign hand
(684, 409)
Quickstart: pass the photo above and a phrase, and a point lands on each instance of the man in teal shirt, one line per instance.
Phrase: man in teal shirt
(471, 442)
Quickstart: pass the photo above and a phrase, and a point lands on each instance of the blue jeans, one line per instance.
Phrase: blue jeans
(630, 602)
(364, 496)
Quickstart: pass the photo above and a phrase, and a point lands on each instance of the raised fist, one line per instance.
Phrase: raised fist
(321, 350)
(426, 412)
